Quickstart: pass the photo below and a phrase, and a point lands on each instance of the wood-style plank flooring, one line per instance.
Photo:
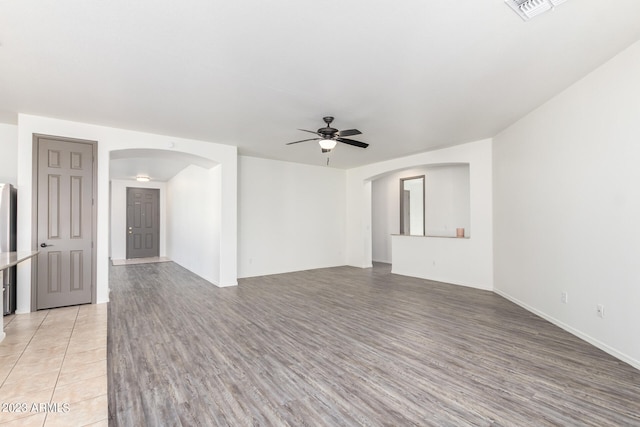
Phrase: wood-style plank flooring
(345, 347)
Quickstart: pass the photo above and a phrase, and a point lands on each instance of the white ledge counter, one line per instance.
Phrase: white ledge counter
(9, 259)
(457, 260)
(431, 237)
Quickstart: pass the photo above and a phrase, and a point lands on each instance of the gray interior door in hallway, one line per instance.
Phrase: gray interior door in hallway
(143, 222)
(65, 221)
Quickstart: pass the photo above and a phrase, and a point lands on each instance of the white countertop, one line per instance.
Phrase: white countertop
(9, 259)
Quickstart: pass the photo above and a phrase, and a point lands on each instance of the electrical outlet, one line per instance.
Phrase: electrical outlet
(600, 310)
(564, 297)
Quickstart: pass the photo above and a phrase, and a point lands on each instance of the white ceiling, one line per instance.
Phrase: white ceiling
(159, 165)
(412, 75)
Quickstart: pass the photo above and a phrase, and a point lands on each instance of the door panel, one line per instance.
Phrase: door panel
(65, 222)
(143, 222)
(54, 266)
(76, 207)
(77, 283)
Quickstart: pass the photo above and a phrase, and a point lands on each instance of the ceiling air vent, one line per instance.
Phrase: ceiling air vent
(527, 9)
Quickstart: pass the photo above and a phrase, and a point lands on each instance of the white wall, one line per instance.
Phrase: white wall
(567, 207)
(118, 228)
(194, 211)
(110, 139)
(8, 153)
(385, 213)
(291, 217)
(447, 203)
(478, 249)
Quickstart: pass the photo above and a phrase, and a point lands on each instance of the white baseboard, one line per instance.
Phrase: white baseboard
(225, 285)
(602, 346)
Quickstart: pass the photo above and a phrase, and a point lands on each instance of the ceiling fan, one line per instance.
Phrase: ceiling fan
(328, 137)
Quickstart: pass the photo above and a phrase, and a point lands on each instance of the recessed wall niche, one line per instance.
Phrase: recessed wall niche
(447, 204)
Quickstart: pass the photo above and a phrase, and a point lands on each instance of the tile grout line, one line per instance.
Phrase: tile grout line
(44, 422)
(75, 327)
(24, 349)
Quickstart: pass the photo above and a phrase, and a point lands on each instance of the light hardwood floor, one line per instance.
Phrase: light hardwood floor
(346, 346)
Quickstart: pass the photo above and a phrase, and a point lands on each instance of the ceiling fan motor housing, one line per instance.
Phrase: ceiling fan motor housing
(328, 136)
(327, 132)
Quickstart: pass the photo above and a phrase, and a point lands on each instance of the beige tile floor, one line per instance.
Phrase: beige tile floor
(53, 365)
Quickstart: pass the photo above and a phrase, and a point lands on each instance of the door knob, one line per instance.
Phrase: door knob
(44, 245)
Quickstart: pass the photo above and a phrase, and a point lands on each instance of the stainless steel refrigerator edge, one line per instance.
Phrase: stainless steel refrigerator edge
(8, 220)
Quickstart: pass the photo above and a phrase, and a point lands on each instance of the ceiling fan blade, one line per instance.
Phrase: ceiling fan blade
(310, 131)
(352, 142)
(349, 132)
(303, 140)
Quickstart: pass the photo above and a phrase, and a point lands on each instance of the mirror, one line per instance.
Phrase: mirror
(412, 206)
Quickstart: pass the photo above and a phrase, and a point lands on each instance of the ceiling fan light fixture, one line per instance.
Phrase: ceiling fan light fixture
(328, 137)
(327, 143)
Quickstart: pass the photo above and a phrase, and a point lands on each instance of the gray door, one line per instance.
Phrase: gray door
(143, 219)
(65, 222)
